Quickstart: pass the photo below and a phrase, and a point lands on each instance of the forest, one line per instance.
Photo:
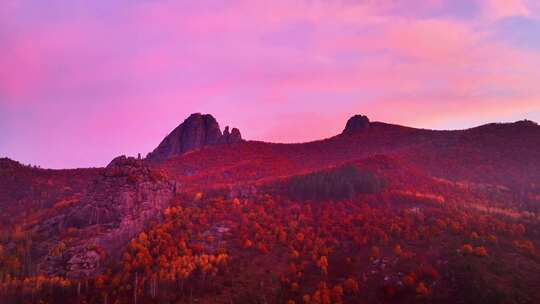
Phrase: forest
(370, 247)
(390, 215)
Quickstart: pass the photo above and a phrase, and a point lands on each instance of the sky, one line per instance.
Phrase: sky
(84, 81)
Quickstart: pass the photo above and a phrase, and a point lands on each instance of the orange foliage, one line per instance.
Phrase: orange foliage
(421, 289)
(525, 246)
(408, 281)
(374, 253)
(323, 264)
(351, 286)
(467, 249)
(337, 294)
(480, 251)
(247, 244)
(397, 250)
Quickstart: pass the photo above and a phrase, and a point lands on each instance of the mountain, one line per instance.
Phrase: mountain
(505, 154)
(196, 132)
(378, 213)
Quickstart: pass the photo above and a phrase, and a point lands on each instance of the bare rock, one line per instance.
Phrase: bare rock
(235, 136)
(231, 137)
(83, 264)
(356, 123)
(197, 131)
(117, 206)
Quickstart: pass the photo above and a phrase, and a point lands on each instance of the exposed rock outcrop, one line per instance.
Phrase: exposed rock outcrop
(356, 123)
(230, 137)
(9, 164)
(118, 205)
(235, 136)
(195, 132)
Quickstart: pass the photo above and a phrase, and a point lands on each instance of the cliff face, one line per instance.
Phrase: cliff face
(195, 132)
(116, 207)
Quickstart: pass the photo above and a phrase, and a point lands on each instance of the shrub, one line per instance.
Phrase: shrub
(525, 246)
(467, 249)
(351, 286)
(480, 251)
(421, 289)
(408, 281)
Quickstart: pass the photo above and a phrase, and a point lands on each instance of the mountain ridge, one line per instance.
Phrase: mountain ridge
(89, 224)
(235, 136)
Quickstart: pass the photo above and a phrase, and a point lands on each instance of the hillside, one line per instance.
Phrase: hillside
(379, 213)
(504, 154)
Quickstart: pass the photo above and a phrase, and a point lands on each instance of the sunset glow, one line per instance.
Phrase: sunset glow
(84, 81)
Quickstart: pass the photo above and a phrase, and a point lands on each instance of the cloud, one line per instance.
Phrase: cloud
(520, 31)
(123, 74)
(498, 9)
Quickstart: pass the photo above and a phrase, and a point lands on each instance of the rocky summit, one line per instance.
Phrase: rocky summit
(356, 123)
(197, 131)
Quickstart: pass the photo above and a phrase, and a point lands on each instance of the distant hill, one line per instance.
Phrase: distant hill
(506, 154)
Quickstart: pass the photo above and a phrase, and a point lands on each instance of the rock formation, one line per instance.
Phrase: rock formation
(116, 207)
(230, 137)
(356, 123)
(195, 132)
(235, 136)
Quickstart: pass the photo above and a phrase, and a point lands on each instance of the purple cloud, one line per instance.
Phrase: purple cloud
(82, 82)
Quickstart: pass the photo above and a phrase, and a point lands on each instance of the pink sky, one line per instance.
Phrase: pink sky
(84, 81)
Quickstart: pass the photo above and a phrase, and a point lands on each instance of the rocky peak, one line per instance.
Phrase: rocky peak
(356, 123)
(235, 135)
(231, 137)
(197, 131)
